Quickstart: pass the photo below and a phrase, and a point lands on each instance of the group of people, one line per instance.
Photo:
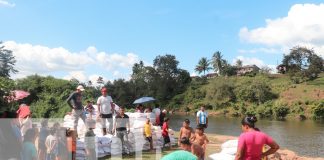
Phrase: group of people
(251, 143)
(18, 135)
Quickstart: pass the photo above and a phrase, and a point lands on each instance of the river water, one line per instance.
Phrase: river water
(306, 138)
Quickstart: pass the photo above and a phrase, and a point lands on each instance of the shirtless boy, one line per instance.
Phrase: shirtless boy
(193, 148)
(200, 138)
(185, 131)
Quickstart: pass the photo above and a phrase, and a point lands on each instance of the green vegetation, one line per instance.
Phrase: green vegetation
(263, 94)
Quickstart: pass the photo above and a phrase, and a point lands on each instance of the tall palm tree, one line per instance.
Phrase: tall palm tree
(203, 65)
(239, 63)
(218, 62)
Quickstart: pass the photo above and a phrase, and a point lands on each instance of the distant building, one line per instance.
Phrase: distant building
(211, 75)
(194, 77)
(247, 69)
(281, 68)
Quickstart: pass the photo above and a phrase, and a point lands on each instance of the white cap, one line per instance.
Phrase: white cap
(164, 111)
(80, 87)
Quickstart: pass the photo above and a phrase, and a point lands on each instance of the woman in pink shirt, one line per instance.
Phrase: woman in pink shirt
(251, 142)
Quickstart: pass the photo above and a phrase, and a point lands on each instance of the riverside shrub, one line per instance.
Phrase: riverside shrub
(281, 111)
(318, 111)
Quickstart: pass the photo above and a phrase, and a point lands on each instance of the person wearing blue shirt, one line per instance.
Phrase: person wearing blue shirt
(202, 117)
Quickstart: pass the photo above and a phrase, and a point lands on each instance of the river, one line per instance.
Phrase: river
(306, 138)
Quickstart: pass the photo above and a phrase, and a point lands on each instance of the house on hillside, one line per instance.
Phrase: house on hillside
(194, 77)
(247, 69)
(211, 75)
(281, 68)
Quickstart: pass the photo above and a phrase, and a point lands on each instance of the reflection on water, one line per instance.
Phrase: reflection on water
(306, 138)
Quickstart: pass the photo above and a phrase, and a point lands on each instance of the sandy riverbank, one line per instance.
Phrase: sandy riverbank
(283, 154)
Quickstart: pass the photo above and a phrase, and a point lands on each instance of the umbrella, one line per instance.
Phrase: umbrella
(144, 100)
(19, 94)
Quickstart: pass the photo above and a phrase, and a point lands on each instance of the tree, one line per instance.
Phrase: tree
(100, 80)
(228, 69)
(239, 63)
(203, 66)
(6, 85)
(166, 65)
(219, 64)
(90, 83)
(7, 62)
(265, 70)
(302, 63)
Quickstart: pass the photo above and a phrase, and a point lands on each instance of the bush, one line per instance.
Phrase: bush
(318, 111)
(297, 109)
(265, 110)
(280, 110)
(221, 91)
(256, 91)
(251, 111)
(242, 109)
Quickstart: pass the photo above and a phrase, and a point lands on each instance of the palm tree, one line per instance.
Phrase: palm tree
(203, 65)
(218, 62)
(239, 63)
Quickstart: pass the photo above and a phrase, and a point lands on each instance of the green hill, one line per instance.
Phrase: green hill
(271, 96)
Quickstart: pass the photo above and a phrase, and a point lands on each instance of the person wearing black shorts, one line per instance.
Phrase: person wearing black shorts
(122, 128)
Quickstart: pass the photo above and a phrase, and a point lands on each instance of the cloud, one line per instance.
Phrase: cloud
(260, 50)
(303, 26)
(79, 75)
(193, 74)
(39, 59)
(249, 61)
(111, 61)
(42, 60)
(6, 3)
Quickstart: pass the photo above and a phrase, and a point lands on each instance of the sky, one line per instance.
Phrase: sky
(86, 39)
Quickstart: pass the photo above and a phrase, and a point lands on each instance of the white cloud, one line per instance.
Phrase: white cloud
(42, 60)
(38, 59)
(6, 3)
(260, 50)
(111, 61)
(303, 25)
(249, 61)
(193, 74)
(79, 75)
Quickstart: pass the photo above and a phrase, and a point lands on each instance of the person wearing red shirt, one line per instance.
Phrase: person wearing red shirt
(251, 142)
(165, 132)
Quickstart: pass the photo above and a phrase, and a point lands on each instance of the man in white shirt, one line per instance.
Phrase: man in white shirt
(202, 118)
(105, 110)
(157, 112)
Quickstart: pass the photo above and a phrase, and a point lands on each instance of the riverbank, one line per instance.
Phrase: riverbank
(224, 113)
(216, 141)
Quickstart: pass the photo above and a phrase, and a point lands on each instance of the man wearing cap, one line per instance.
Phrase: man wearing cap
(75, 102)
(105, 109)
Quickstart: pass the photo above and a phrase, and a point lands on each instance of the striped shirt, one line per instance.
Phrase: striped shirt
(202, 116)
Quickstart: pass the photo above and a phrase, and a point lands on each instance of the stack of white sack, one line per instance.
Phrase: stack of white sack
(103, 145)
(228, 152)
(80, 150)
(111, 145)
